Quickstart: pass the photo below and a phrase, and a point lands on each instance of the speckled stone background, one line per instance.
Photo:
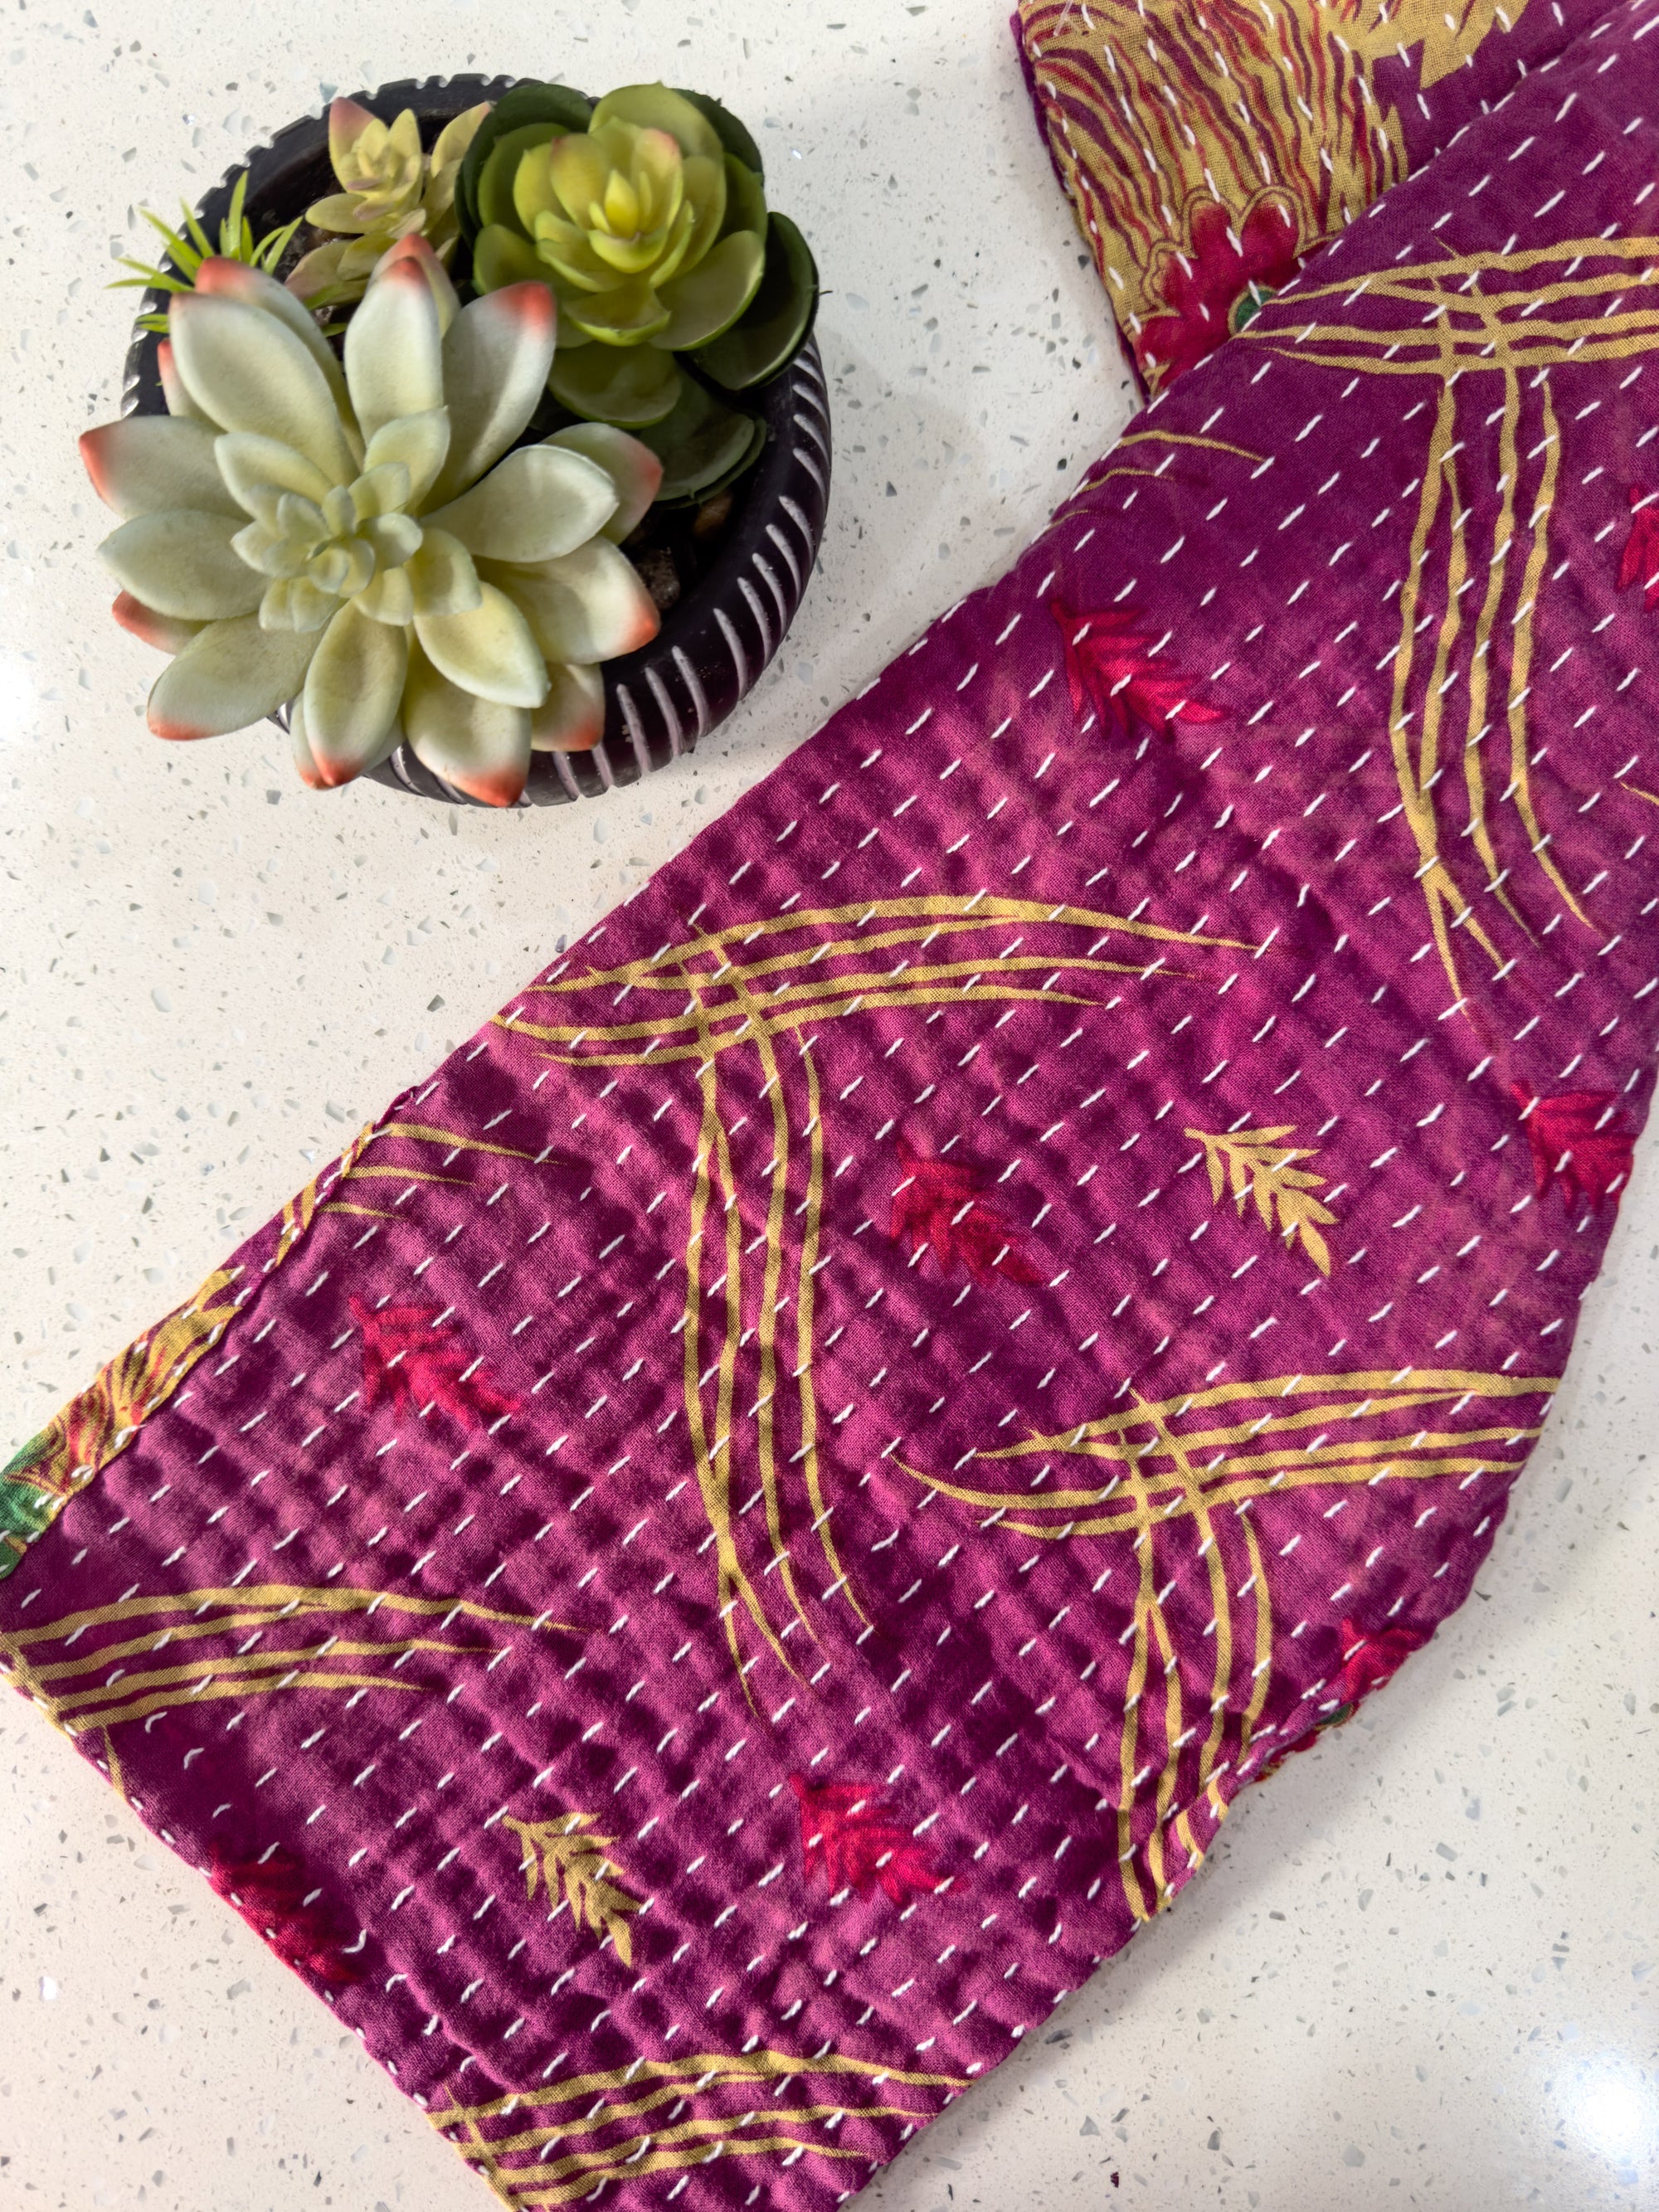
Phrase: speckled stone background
(1421, 1967)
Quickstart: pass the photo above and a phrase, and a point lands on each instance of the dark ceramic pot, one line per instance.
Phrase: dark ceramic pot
(717, 637)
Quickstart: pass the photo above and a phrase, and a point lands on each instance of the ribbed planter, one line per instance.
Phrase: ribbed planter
(718, 636)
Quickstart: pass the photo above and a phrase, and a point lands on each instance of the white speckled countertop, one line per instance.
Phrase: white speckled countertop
(1421, 1968)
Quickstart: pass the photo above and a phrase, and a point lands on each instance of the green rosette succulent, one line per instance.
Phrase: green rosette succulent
(646, 215)
(389, 190)
(366, 545)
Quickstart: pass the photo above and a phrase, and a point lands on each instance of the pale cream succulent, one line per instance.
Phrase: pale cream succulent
(389, 190)
(365, 544)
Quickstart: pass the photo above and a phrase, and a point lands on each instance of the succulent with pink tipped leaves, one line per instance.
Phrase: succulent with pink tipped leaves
(367, 547)
(389, 190)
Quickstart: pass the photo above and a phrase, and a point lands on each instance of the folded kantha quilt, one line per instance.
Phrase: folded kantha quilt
(749, 1531)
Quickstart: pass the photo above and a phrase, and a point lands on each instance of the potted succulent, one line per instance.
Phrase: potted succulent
(495, 472)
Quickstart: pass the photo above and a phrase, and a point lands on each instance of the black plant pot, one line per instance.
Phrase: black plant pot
(716, 639)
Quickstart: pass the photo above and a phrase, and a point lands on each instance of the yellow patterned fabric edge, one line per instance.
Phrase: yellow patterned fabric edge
(100, 1421)
(1208, 146)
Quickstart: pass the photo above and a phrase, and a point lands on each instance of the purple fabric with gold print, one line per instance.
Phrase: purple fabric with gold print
(751, 1532)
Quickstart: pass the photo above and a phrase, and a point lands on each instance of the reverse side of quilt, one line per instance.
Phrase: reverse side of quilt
(750, 1532)
(1208, 146)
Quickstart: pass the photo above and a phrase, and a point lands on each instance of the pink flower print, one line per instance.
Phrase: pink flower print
(410, 1362)
(945, 1206)
(1111, 662)
(1580, 1140)
(851, 1838)
(1641, 563)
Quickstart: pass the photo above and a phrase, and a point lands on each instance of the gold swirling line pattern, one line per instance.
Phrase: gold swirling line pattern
(1180, 1478)
(121, 1676)
(598, 2130)
(1456, 320)
(765, 988)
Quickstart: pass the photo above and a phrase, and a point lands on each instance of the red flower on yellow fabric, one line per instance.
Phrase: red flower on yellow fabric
(946, 1206)
(1580, 1139)
(1641, 563)
(1368, 1661)
(1114, 662)
(412, 1358)
(850, 1836)
(1216, 287)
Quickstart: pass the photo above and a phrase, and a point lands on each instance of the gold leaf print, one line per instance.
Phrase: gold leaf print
(571, 1860)
(1449, 31)
(1255, 1162)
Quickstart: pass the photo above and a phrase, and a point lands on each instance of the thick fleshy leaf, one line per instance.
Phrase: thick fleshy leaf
(166, 633)
(701, 442)
(231, 674)
(415, 248)
(317, 270)
(634, 469)
(495, 361)
(393, 349)
(181, 562)
(148, 461)
(554, 108)
(305, 766)
(490, 651)
(180, 406)
(705, 203)
(714, 295)
(249, 371)
(449, 146)
(745, 199)
(731, 131)
(571, 265)
(353, 689)
(571, 718)
(631, 386)
(389, 598)
(348, 122)
(253, 468)
(517, 186)
(501, 257)
(588, 606)
(540, 501)
(654, 107)
(420, 442)
(775, 325)
(626, 314)
(235, 279)
(477, 745)
(443, 578)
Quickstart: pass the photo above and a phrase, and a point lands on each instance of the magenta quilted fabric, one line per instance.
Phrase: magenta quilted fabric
(751, 1532)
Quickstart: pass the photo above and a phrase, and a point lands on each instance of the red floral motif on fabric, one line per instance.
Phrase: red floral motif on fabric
(946, 1206)
(1641, 563)
(1112, 662)
(279, 1903)
(1368, 1661)
(1218, 286)
(413, 1358)
(850, 1836)
(1580, 1140)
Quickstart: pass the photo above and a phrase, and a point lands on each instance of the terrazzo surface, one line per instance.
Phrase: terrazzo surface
(1420, 1968)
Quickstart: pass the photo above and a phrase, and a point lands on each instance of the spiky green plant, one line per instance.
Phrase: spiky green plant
(371, 550)
(188, 248)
